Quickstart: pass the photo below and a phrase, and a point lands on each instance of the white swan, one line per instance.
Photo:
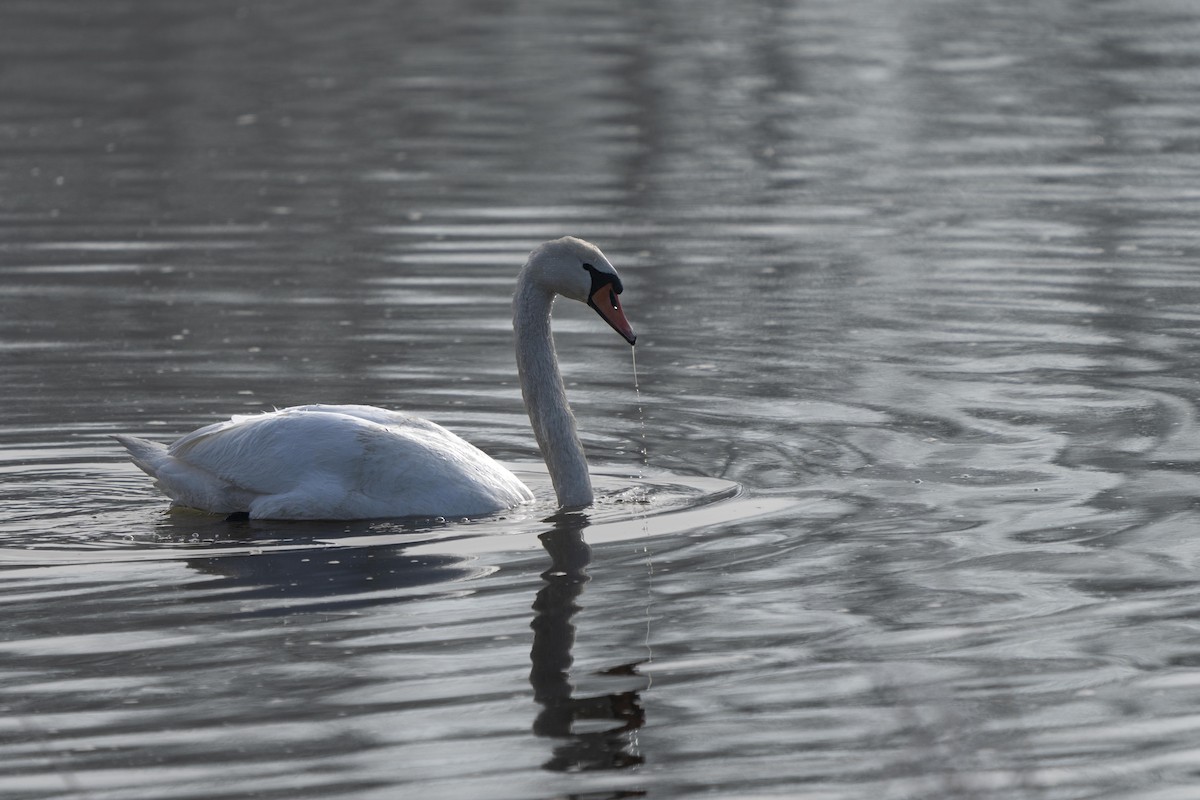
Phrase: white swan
(361, 462)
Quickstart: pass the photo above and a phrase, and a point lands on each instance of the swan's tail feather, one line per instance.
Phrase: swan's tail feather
(147, 455)
(185, 484)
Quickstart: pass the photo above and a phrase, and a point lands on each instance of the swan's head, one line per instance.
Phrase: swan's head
(578, 270)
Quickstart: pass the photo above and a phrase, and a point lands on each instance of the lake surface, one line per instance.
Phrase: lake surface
(905, 507)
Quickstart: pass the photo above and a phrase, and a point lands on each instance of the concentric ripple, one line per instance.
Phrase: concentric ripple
(137, 525)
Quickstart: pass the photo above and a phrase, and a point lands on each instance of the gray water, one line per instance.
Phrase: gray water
(906, 507)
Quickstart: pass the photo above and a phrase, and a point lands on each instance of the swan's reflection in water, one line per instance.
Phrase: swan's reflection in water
(598, 746)
(588, 733)
(280, 580)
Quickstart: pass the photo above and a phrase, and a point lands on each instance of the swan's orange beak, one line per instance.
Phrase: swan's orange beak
(608, 305)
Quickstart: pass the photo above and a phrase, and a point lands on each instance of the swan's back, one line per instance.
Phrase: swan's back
(329, 462)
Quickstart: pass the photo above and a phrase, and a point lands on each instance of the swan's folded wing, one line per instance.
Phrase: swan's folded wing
(275, 452)
(320, 461)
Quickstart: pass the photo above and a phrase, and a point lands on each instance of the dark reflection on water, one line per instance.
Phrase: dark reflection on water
(921, 278)
(618, 713)
(330, 581)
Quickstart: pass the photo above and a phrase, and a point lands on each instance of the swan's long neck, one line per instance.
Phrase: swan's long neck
(545, 396)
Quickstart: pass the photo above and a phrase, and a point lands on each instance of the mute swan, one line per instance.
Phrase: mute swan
(361, 462)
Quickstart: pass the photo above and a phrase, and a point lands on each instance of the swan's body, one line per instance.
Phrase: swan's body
(361, 462)
(328, 462)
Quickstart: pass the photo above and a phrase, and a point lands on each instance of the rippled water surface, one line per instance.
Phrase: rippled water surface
(905, 508)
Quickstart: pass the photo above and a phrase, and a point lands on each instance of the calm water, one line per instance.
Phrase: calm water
(918, 294)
